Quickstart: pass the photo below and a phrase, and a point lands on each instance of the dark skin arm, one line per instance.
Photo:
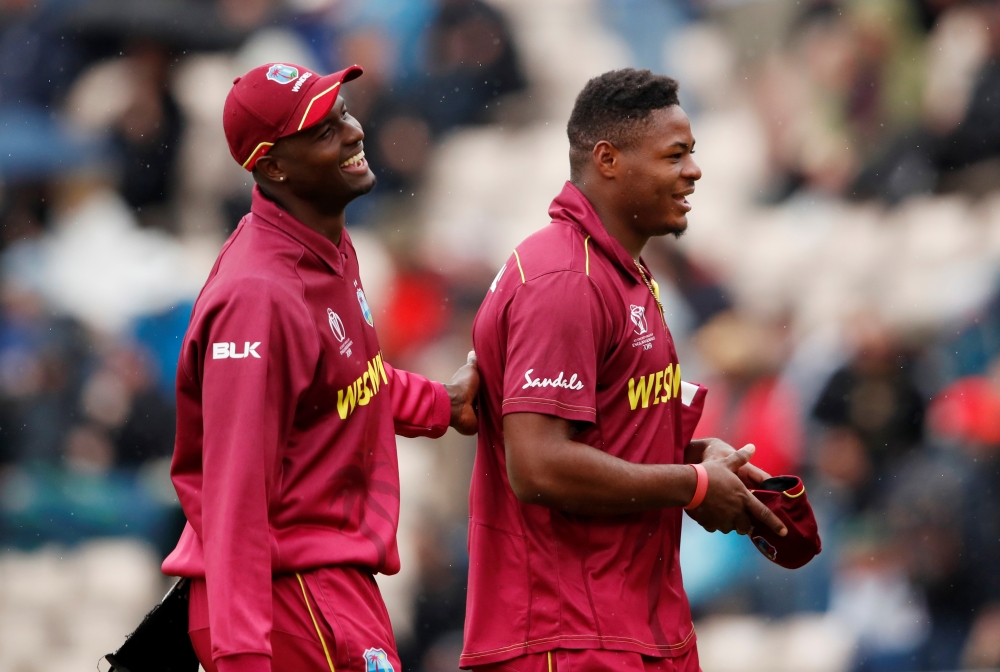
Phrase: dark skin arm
(546, 466)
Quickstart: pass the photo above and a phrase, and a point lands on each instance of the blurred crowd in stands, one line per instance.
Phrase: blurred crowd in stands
(838, 291)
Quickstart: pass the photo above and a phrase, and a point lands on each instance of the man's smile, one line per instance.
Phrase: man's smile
(356, 164)
(681, 199)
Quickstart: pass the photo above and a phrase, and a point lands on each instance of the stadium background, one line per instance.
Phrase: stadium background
(837, 289)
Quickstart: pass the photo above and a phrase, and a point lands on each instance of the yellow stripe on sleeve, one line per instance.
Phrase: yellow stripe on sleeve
(516, 256)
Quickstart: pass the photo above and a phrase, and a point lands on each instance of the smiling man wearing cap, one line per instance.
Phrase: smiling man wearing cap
(285, 460)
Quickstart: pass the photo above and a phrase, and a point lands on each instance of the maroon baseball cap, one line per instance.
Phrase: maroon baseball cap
(275, 100)
(786, 497)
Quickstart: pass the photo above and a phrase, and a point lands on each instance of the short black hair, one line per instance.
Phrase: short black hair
(614, 105)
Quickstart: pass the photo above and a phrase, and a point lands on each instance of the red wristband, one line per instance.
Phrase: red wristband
(700, 489)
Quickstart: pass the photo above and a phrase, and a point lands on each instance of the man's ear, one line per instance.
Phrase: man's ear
(606, 158)
(270, 169)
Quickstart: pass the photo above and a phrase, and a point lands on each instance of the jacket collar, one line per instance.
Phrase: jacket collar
(267, 211)
(573, 208)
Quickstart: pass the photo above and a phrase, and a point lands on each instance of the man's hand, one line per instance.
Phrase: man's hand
(700, 451)
(728, 504)
(462, 391)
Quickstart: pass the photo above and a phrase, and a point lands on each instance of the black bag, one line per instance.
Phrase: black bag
(161, 642)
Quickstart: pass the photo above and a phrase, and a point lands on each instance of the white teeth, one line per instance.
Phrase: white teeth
(357, 158)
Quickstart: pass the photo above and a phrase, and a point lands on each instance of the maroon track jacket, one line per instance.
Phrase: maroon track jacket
(285, 458)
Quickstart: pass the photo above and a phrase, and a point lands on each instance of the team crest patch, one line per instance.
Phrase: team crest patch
(365, 310)
(769, 551)
(377, 661)
(282, 74)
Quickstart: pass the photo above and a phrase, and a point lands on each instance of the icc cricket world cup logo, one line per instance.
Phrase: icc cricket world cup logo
(638, 314)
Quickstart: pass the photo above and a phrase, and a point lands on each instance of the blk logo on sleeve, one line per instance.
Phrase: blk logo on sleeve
(229, 351)
(493, 287)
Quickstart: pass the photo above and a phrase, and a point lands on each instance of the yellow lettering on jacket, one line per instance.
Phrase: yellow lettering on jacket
(365, 394)
(362, 390)
(640, 391)
(381, 369)
(373, 375)
(345, 402)
(667, 381)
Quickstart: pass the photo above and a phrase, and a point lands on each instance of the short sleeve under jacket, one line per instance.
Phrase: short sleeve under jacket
(570, 328)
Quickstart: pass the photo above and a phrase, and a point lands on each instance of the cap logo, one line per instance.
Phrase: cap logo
(282, 74)
(769, 551)
(300, 81)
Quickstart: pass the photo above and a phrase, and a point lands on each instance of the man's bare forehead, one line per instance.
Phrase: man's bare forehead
(668, 127)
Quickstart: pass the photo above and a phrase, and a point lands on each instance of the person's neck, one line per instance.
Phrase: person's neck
(329, 223)
(615, 222)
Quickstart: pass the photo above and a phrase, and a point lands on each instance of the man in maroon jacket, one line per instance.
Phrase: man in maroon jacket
(285, 461)
(585, 455)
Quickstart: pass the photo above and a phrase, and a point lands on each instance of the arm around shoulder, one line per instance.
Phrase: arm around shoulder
(421, 407)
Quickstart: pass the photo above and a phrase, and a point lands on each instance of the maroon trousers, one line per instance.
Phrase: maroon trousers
(594, 660)
(327, 620)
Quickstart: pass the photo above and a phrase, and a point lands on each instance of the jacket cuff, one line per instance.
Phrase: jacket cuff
(441, 415)
(244, 662)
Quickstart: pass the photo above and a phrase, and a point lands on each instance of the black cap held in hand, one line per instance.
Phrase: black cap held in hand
(786, 497)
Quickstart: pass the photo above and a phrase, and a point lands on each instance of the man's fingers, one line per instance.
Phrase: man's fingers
(752, 476)
(742, 523)
(766, 516)
(471, 359)
(741, 457)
